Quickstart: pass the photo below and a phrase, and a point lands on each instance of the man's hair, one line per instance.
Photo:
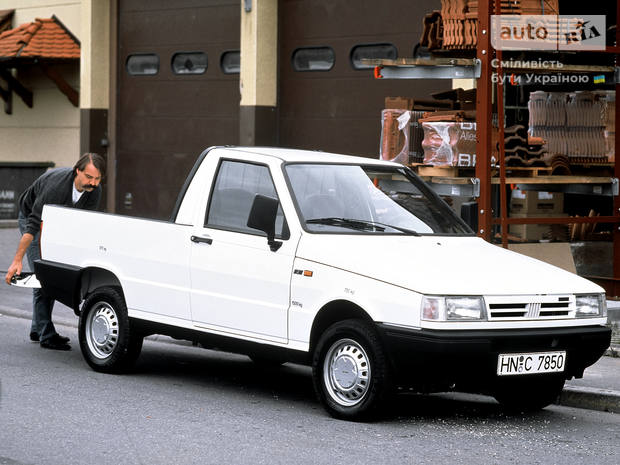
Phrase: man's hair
(97, 160)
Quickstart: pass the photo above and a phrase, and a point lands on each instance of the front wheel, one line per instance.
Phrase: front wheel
(107, 341)
(350, 371)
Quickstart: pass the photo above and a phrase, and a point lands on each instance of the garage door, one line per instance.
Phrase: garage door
(178, 93)
(328, 100)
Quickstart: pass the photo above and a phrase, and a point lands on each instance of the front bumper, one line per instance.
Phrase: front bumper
(431, 360)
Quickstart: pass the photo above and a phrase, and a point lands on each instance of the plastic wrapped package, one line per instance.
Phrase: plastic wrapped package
(449, 143)
(401, 136)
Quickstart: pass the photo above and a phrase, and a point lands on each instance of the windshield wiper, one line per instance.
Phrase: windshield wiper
(362, 225)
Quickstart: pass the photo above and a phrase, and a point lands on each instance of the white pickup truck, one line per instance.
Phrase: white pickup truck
(354, 266)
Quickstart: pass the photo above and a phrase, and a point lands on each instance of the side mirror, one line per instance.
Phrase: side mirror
(263, 217)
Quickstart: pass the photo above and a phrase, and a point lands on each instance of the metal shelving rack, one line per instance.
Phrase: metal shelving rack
(482, 186)
(484, 109)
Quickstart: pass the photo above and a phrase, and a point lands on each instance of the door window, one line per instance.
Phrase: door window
(236, 186)
(189, 63)
(142, 64)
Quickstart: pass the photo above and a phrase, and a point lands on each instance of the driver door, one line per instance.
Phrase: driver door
(238, 285)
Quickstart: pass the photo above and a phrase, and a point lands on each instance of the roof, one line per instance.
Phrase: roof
(312, 156)
(43, 38)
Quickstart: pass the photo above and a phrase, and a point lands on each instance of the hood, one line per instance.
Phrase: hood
(441, 265)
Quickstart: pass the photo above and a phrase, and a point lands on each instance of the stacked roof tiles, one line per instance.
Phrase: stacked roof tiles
(43, 38)
(460, 18)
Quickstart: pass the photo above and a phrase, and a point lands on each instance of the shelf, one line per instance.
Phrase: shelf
(607, 187)
(426, 68)
(568, 68)
(470, 187)
(454, 187)
(556, 179)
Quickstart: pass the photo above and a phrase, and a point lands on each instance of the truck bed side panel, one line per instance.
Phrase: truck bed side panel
(150, 258)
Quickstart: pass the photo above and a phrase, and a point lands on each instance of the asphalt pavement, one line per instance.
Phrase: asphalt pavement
(599, 389)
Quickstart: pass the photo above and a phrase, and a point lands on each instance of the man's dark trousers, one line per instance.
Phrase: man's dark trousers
(42, 304)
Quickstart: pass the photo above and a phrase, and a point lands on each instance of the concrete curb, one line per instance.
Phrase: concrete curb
(8, 224)
(73, 323)
(59, 320)
(602, 400)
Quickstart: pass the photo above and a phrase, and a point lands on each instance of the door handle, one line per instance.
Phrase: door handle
(198, 239)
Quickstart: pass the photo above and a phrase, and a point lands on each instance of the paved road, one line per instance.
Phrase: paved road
(189, 405)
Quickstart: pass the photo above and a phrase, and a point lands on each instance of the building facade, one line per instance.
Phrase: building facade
(161, 81)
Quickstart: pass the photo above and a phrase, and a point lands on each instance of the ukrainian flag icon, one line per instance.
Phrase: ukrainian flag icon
(599, 79)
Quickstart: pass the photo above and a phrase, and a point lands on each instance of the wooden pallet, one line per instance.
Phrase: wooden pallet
(443, 171)
(526, 171)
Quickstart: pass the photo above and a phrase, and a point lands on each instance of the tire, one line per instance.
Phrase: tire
(528, 394)
(350, 371)
(107, 341)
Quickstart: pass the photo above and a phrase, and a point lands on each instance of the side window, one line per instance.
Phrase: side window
(313, 59)
(230, 62)
(381, 51)
(236, 185)
(189, 63)
(142, 64)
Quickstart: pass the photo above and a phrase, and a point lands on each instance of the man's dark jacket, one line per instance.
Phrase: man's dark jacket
(55, 187)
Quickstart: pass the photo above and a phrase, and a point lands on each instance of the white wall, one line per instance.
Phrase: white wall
(50, 130)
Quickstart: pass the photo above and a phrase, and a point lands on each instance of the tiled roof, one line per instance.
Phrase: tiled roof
(43, 38)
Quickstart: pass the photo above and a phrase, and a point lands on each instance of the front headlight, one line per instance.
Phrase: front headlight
(453, 308)
(591, 306)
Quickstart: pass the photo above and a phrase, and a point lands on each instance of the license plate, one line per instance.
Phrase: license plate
(527, 364)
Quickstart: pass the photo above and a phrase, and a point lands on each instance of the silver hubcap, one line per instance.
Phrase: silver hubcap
(346, 372)
(102, 330)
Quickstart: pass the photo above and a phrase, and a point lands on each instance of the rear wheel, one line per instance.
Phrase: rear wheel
(528, 394)
(350, 371)
(106, 338)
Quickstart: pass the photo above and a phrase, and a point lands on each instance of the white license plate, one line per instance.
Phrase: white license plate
(527, 364)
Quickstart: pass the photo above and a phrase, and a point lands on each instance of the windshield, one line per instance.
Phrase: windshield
(369, 200)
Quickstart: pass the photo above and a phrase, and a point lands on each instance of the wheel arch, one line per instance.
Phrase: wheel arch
(93, 278)
(333, 312)
(71, 284)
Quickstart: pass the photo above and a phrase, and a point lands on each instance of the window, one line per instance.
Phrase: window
(356, 199)
(236, 185)
(142, 64)
(314, 59)
(372, 51)
(230, 62)
(189, 63)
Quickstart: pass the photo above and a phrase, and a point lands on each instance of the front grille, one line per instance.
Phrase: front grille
(530, 307)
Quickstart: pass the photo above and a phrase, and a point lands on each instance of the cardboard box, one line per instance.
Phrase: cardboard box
(399, 103)
(536, 202)
(554, 253)
(533, 232)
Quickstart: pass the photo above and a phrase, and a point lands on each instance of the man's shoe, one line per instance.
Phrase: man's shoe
(55, 342)
(34, 336)
(64, 339)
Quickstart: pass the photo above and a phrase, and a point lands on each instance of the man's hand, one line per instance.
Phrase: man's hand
(15, 268)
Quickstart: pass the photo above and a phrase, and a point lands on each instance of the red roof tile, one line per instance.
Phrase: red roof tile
(43, 38)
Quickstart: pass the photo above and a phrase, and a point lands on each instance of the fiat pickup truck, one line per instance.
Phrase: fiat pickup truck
(348, 264)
